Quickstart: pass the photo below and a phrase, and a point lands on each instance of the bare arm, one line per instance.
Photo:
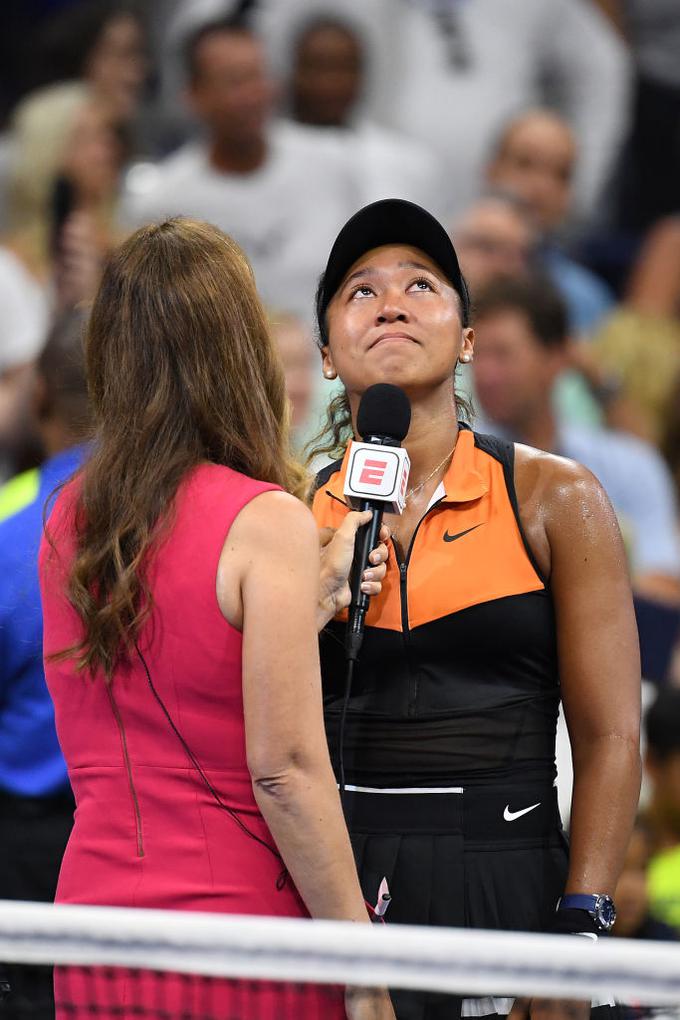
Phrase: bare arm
(599, 671)
(273, 550)
(575, 537)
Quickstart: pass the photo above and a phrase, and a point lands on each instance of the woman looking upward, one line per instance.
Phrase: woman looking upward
(506, 590)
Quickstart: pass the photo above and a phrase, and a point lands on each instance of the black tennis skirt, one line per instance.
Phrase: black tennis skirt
(480, 857)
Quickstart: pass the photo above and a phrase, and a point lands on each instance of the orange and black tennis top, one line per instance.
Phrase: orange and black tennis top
(457, 680)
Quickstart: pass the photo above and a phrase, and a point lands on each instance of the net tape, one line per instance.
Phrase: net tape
(331, 952)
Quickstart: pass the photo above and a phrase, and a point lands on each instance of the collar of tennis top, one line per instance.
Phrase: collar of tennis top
(462, 483)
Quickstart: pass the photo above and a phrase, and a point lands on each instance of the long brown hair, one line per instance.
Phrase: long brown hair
(181, 370)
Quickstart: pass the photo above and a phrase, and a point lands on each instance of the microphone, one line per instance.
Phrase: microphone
(376, 480)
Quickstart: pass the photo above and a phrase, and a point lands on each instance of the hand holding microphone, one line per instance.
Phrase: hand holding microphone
(377, 477)
(337, 556)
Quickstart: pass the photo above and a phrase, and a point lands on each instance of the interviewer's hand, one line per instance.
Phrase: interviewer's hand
(337, 552)
(368, 1004)
(549, 1009)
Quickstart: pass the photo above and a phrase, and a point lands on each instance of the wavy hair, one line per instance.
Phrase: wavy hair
(181, 370)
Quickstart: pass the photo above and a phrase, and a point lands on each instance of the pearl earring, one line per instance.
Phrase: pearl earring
(466, 357)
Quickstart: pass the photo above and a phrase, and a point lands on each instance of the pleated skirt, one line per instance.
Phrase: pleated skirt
(491, 857)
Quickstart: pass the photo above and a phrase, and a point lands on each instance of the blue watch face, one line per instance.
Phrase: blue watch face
(605, 912)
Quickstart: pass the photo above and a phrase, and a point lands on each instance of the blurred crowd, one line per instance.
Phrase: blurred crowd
(544, 133)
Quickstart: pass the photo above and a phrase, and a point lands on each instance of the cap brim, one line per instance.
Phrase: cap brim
(391, 221)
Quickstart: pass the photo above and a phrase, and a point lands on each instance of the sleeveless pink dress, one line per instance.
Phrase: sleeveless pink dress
(149, 831)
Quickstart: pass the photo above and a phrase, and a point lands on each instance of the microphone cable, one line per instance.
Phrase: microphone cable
(281, 880)
(349, 677)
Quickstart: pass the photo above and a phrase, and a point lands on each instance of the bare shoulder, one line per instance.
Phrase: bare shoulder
(272, 538)
(560, 494)
(277, 508)
(556, 482)
(561, 503)
(274, 518)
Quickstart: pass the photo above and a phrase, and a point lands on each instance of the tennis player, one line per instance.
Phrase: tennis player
(506, 592)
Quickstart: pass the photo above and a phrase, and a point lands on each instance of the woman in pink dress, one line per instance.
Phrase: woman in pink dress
(182, 597)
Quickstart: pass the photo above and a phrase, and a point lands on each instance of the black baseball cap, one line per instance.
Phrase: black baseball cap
(390, 221)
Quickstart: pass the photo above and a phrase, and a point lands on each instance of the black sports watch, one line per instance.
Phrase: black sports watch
(599, 907)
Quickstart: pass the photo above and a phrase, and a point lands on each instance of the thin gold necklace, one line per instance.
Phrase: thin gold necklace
(417, 488)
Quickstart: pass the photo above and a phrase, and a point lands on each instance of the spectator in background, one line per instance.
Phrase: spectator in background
(36, 804)
(294, 343)
(670, 446)
(64, 185)
(66, 162)
(327, 82)
(662, 766)
(651, 168)
(640, 341)
(535, 158)
(449, 74)
(20, 448)
(45, 41)
(23, 324)
(273, 188)
(328, 72)
(496, 237)
(520, 351)
(99, 46)
(633, 918)
(101, 43)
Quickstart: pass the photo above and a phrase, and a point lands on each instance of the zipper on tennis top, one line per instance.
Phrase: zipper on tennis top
(405, 629)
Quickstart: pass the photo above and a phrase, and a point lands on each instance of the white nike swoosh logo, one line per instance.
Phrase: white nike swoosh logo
(510, 816)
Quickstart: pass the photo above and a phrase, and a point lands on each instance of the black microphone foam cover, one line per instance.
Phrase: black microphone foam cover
(385, 410)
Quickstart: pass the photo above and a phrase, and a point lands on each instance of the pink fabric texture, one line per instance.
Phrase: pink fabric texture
(148, 831)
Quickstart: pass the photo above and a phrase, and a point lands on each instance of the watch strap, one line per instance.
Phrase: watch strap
(578, 901)
(599, 907)
(574, 922)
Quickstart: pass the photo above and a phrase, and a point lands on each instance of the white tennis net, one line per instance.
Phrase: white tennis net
(150, 963)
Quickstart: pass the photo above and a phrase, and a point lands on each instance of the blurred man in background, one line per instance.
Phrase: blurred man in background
(521, 344)
(277, 191)
(327, 84)
(450, 73)
(535, 159)
(494, 237)
(328, 72)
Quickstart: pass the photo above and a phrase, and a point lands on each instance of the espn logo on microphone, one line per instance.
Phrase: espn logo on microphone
(379, 473)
